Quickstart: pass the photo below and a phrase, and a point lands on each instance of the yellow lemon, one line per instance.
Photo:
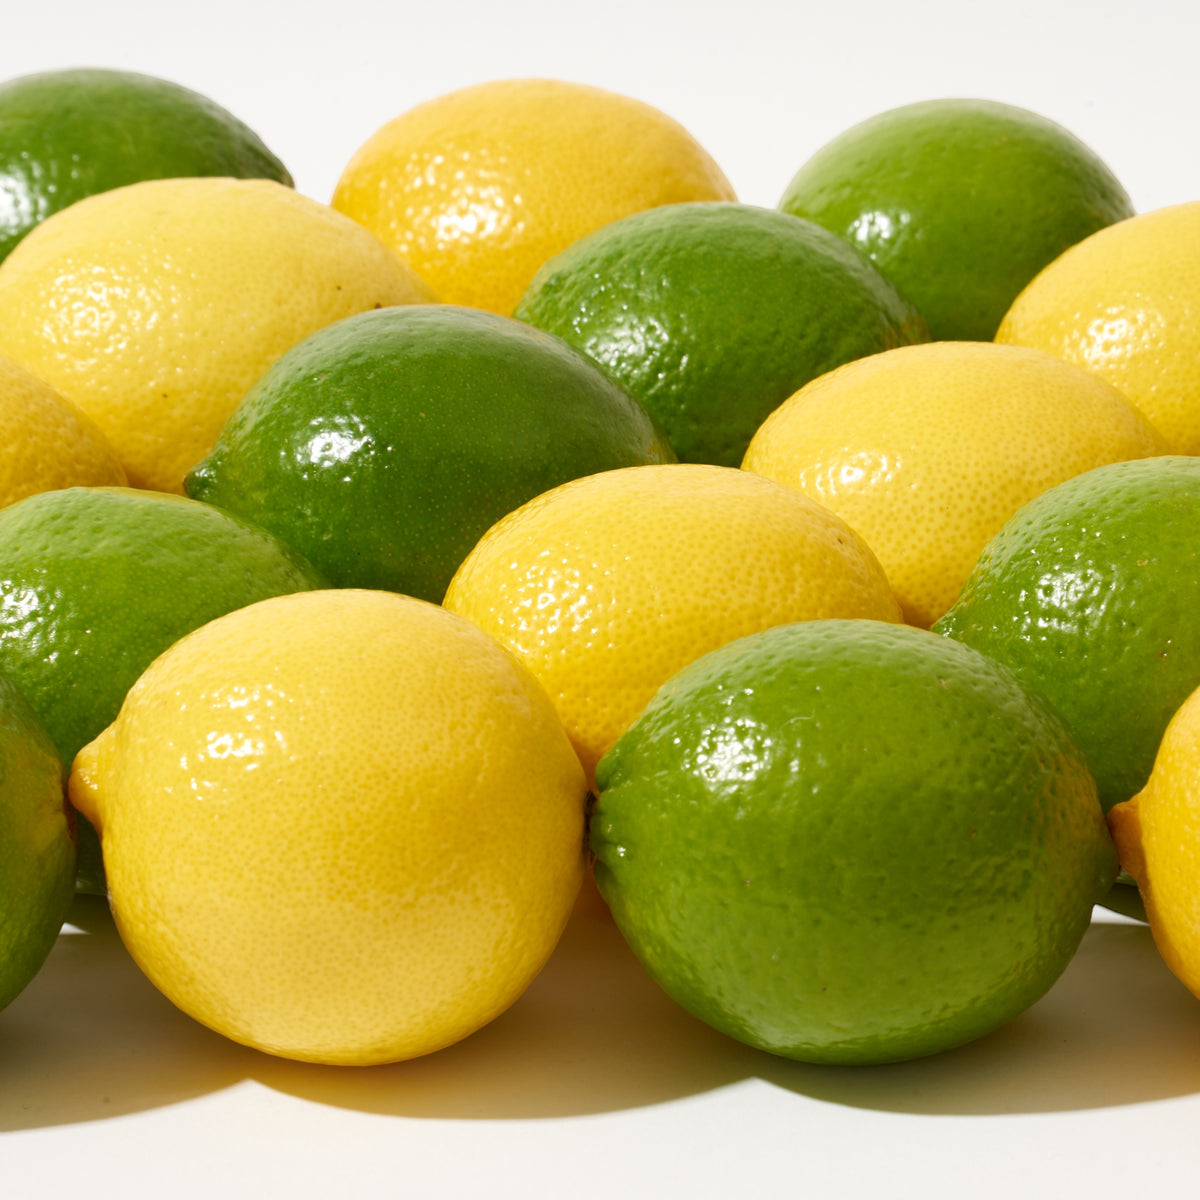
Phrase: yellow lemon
(1125, 304)
(45, 442)
(477, 188)
(154, 307)
(1158, 840)
(606, 586)
(340, 826)
(926, 451)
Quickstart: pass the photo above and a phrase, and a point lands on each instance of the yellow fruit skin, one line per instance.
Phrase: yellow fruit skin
(1158, 840)
(343, 826)
(926, 451)
(478, 188)
(47, 443)
(606, 586)
(1125, 304)
(154, 307)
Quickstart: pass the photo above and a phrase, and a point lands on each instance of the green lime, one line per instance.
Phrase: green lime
(712, 315)
(850, 842)
(37, 844)
(65, 135)
(97, 582)
(384, 446)
(960, 203)
(1091, 594)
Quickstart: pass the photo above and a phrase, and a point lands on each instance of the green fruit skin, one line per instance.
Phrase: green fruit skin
(839, 843)
(37, 844)
(712, 315)
(69, 134)
(1091, 595)
(960, 203)
(97, 582)
(384, 446)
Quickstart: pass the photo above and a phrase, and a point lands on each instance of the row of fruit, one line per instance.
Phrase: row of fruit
(536, 467)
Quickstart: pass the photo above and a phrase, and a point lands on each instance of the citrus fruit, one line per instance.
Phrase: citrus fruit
(69, 134)
(606, 586)
(385, 445)
(1124, 305)
(97, 582)
(46, 442)
(713, 314)
(850, 842)
(340, 826)
(926, 451)
(477, 188)
(959, 203)
(1157, 833)
(1091, 594)
(37, 844)
(154, 307)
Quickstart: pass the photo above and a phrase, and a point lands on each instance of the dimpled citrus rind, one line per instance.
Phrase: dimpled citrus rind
(959, 202)
(713, 314)
(98, 582)
(68, 134)
(477, 188)
(926, 451)
(37, 844)
(1125, 304)
(342, 826)
(1091, 594)
(383, 447)
(606, 586)
(154, 307)
(1157, 833)
(841, 843)
(46, 442)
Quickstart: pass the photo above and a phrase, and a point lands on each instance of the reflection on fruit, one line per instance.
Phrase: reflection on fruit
(339, 826)
(850, 842)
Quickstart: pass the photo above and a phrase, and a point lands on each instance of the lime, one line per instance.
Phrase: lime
(713, 314)
(361, 815)
(37, 844)
(384, 446)
(477, 188)
(1091, 594)
(1123, 305)
(604, 587)
(97, 582)
(69, 134)
(154, 307)
(960, 203)
(926, 451)
(850, 842)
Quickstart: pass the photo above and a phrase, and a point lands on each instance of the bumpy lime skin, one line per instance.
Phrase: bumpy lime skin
(839, 843)
(712, 315)
(98, 582)
(37, 844)
(69, 134)
(1091, 595)
(384, 446)
(960, 203)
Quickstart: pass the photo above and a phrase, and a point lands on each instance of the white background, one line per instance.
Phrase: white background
(595, 1084)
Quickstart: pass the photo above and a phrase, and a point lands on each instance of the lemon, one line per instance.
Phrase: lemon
(1158, 838)
(477, 188)
(1124, 305)
(850, 842)
(926, 451)
(154, 307)
(46, 442)
(606, 586)
(339, 826)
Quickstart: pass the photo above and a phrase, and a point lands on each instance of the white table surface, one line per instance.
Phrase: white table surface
(595, 1084)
